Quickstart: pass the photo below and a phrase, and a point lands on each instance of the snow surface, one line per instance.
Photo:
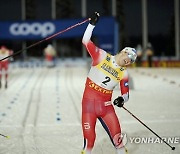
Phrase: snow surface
(41, 110)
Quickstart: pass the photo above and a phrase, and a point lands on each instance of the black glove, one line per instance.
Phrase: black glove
(94, 18)
(119, 101)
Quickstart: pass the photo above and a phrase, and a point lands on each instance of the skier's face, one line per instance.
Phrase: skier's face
(124, 59)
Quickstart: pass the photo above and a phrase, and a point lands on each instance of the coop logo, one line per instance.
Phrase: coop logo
(24, 29)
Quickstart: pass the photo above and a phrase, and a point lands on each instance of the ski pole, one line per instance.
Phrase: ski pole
(46, 39)
(173, 148)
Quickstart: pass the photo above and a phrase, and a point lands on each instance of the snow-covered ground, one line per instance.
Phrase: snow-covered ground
(41, 111)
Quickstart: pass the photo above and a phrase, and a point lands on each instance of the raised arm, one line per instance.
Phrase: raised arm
(87, 34)
(96, 53)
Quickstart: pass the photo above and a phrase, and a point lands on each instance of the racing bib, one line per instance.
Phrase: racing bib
(107, 73)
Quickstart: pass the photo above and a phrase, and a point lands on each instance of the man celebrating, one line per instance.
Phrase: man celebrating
(105, 73)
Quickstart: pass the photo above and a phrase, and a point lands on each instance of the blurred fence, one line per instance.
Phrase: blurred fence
(160, 63)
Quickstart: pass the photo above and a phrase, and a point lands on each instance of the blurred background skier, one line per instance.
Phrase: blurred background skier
(50, 55)
(4, 64)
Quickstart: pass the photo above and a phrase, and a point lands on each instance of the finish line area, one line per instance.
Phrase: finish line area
(41, 110)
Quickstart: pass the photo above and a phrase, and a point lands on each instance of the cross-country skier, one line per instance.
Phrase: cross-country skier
(4, 52)
(105, 73)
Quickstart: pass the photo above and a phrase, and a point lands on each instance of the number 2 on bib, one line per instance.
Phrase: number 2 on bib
(107, 79)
